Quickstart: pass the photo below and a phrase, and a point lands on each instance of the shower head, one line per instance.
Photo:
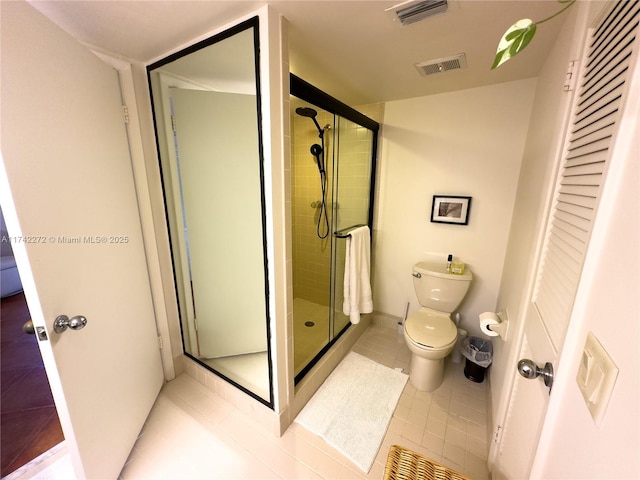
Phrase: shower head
(311, 113)
(306, 112)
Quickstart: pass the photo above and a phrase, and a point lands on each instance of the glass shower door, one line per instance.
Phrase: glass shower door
(352, 201)
(312, 232)
(349, 141)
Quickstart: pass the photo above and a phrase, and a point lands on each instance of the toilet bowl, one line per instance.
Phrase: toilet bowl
(430, 333)
(430, 336)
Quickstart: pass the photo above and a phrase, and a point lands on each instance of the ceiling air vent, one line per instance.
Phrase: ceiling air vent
(414, 11)
(439, 65)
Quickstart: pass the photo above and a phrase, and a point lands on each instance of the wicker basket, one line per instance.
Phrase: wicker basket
(404, 464)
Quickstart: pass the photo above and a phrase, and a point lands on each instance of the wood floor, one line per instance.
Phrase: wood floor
(29, 424)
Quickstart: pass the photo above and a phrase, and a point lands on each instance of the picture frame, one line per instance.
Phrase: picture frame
(452, 209)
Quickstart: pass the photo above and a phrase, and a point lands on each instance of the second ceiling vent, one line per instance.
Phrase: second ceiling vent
(440, 65)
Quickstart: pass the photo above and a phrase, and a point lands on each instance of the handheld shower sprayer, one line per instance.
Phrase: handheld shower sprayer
(317, 152)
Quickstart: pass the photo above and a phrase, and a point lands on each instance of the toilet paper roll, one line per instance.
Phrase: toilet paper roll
(487, 320)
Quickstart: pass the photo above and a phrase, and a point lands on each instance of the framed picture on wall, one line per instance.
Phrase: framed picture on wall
(450, 209)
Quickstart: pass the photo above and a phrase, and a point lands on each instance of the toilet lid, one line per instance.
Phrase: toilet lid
(430, 329)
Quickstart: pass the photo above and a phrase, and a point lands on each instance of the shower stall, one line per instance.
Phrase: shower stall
(333, 165)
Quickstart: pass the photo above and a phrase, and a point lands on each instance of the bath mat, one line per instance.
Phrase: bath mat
(352, 409)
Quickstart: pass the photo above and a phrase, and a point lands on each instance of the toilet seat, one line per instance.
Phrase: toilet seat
(429, 329)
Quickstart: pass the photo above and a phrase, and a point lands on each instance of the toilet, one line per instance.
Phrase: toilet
(430, 333)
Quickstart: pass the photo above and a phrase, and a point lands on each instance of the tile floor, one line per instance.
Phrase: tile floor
(250, 370)
(191, 433)
(29, 422)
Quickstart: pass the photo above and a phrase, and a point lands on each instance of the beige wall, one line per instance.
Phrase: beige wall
(459, 143)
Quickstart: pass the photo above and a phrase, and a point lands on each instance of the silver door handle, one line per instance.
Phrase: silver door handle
(62, 322)
(528, 369)
(28, 327)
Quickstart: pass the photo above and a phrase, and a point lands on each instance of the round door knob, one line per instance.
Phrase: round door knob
(29, 328)
(528, 369)
(62, 322)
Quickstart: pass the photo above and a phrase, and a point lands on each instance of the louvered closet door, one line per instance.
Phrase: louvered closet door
(600, 98)
(593, 131)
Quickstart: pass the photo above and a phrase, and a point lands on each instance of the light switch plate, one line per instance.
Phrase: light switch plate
(596, 377)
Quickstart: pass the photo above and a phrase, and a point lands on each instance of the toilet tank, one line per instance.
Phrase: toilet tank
(438, 289)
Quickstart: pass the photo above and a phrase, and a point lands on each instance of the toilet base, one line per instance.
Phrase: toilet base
(426, 374)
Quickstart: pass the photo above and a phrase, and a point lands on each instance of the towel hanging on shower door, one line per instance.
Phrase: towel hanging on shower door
(357, 284)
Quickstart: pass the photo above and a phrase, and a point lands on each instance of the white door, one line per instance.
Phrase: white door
(600, 98)
(67, 191)
(217, 139)
(529, 400)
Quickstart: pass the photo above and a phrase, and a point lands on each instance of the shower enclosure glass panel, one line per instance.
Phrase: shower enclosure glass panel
(311, 254)
(352, 192)
(318, 257)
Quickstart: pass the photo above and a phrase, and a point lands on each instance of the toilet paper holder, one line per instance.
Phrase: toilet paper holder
(494, 324)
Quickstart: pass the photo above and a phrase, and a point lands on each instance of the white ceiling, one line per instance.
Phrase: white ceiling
(353, 50)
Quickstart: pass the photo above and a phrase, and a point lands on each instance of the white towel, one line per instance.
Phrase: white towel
(357, 286)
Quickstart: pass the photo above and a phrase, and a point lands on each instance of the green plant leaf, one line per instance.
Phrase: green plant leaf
(514, 40)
